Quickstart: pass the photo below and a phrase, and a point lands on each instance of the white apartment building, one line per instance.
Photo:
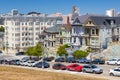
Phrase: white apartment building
(22, 31)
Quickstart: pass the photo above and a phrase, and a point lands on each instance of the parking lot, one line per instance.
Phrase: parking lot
(105, 68)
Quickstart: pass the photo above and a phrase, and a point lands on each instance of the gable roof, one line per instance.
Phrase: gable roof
(105, 20)
(76, 21)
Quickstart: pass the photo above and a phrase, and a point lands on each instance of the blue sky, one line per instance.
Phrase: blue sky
(63, 6)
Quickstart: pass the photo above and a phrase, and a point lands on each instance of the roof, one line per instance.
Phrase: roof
(101, 20)
(83, 18)
(54, 29)
(104, 20)
(33, 18)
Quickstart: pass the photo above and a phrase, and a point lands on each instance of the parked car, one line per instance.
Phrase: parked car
(30, 63)
(42, 64)
(60, 59)
(20, 53)
(23, 63)
(71, 60)
(14, 62)
(81, 60)
(49, 59)
(118, 62)
(74, 67)
(4, 61)
(59, 66)
(88, 61)
(25, 59)
(98, 61)
(112, 61)
(114, 72)
(92, 69)
(1, 52)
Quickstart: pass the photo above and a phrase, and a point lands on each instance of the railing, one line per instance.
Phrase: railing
(63, 35)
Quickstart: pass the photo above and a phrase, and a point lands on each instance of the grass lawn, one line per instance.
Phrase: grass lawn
(12, 73)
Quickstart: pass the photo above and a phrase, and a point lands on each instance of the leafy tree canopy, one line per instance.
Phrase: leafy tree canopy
(34, 51)
(79, 54)
(2, 29)
(61, 51)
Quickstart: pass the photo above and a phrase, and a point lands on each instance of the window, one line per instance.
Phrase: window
(30, 23)
(25, 28)
(89, 22)
(17, 23)
(17, 34)
(22, 34)
(93, 31)
(118, 30)
(41, 28)
(87, 31)
(41, 23)
(26, 23)
(74, 40)
(25, 34)
(97, 31)
(37, 28)
(104, 23)
(22, 44)
(74, 30)
(22, 23)
(37, 23)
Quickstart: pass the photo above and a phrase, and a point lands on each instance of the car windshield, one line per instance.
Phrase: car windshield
(94, 66)
(75, 65)
(0, 51)
(113, 59)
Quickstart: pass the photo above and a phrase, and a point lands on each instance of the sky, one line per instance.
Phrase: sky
(59, 6)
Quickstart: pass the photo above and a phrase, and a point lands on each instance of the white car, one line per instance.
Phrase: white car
(115, 72)
(23, 63)
(112, 61)
(118, 62)
(31, 63)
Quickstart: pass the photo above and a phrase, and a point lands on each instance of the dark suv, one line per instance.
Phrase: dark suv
(98, 61)
(20, 53)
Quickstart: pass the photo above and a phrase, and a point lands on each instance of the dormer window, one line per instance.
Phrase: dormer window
(89, 22)
(104, 23)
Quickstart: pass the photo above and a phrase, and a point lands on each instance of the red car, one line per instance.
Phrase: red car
(59, 66)
(74, 67)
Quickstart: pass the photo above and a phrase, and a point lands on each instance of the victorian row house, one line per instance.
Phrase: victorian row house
(86, 31)
(95, 32)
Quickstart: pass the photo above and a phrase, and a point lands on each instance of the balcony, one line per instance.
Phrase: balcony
(60, 36)
(50, 39)
(90, 35)
(75, 44)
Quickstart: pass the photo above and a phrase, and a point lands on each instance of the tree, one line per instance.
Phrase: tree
(2, 29)
(79, 54)
(38, 50)
(34, 51)
(61, 51)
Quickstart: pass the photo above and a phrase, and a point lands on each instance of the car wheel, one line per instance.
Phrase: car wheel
(94, 72)
(107, 63)
(84, 70)
(116, 64)
(111, 74)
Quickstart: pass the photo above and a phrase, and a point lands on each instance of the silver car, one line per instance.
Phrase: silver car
(92, 69)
